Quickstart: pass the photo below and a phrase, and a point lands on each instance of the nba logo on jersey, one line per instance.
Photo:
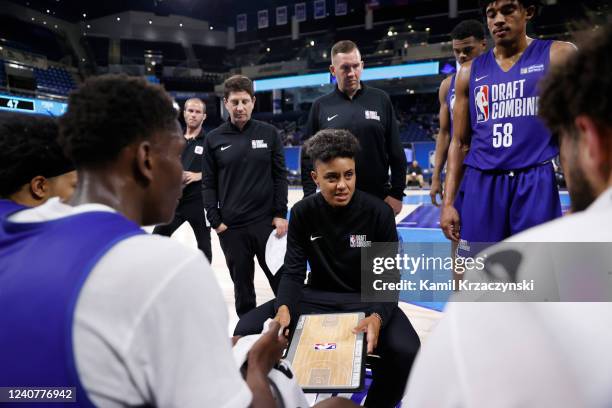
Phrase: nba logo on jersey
(325, 346)
(481, 96)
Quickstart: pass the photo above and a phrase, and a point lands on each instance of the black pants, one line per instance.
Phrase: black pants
(398, 343)
(240, 245)
(192, 212)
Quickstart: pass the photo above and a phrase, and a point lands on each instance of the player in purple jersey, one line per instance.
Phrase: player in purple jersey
(499, 142)
(468, 40)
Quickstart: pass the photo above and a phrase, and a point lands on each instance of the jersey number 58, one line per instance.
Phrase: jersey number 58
(502, 135)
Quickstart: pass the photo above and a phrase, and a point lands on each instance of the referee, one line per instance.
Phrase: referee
(245, 188)
(190, 207)
(328, 231)
(368, 114)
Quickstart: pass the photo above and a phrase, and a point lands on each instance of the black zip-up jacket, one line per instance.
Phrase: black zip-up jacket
(244, 177)
(192, 161)
(330, 239)
(370, 117)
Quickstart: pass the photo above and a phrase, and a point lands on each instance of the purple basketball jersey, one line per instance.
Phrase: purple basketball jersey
(506, 131)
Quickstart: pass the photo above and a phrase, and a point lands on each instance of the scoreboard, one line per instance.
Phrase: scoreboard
(31, 105)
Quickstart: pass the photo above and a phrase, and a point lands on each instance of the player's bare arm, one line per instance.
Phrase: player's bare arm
(459, 146)
(442, 142)
(560, 51)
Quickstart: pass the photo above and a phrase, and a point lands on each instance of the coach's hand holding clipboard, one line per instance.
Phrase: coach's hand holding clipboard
(283, 317)
(371, 326)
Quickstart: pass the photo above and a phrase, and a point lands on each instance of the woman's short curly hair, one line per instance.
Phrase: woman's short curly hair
(109, 112)
(328, 144)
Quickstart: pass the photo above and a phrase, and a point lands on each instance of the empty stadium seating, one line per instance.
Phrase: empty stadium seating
(414, 132)
(54, 80)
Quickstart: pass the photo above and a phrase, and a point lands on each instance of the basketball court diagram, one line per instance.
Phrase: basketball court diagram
(325, 354)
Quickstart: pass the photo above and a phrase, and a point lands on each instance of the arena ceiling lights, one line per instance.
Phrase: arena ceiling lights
(369, 74)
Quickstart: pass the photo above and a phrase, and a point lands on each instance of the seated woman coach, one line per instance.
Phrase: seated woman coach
(328, 230)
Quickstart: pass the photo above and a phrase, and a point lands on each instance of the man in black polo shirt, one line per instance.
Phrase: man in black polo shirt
(328, 230)
(245, 188)
(190, 207)
(368, 114)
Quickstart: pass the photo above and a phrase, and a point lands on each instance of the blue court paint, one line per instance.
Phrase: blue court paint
(292, 158)
(426, 235)
(438, 306)
(421, 235)
(565, 199)
(418, 199)
(424, 216)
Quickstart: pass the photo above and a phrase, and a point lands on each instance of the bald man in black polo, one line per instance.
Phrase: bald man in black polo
(191, 205)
